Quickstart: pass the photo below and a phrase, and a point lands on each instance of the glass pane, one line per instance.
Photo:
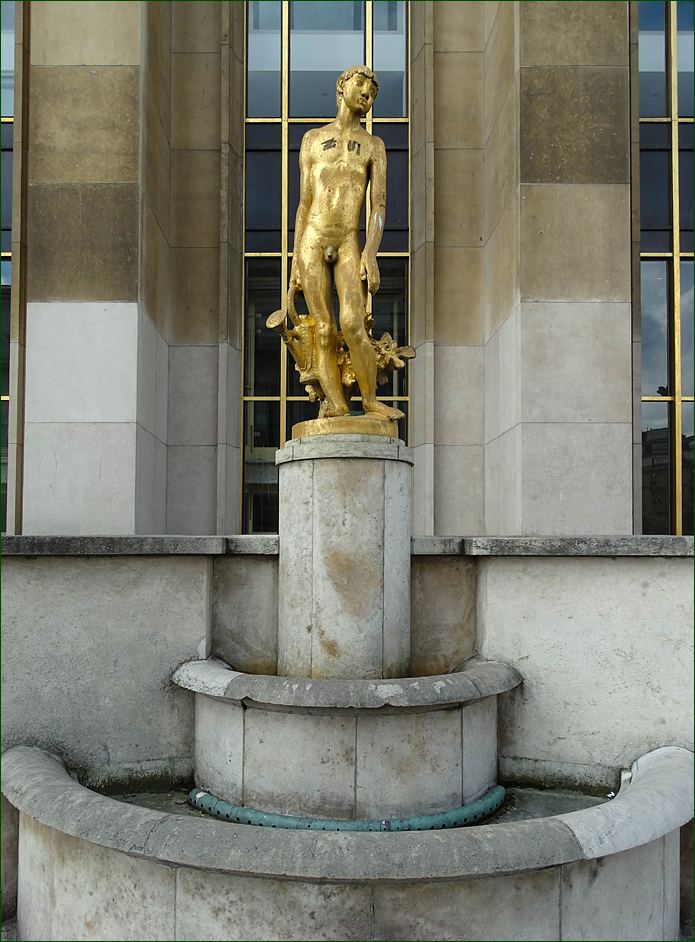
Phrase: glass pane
(6, 200)
(395, 237)
(295, 134)
(655, 193)
(654, 290)
(3, 466)
(300, 412)
(687, 333)
(656, 468)
(652, 59)
(325, 39)
(261, 345)
(5, 349)
(685, 58)
(261, 440)
(263, 188)
(390, 313)
(7, 56)
(687, 439)
(6, 271)
(685, 181)
(264, 57)
(389, 58)
(6, 134)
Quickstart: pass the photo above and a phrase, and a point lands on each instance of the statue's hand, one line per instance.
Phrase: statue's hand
(369, 270)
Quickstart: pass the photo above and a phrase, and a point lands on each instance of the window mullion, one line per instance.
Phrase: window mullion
(672, 27)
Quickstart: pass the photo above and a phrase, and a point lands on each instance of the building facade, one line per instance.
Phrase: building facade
(155, 185)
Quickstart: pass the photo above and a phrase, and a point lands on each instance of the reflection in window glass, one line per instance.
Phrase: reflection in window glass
(300, 412)
(656, 468)
(687, 332)
(264, 57)
(685, 58)
(389, 310)
(261, 348)
(685, 185)
(389, 58)
(261, 440)
(7, 56)
(263, 188)
(655, 188)
(654, 291)
(5, 350)
(687, 438)
(3, 465)
(6, 271)
(652, 59)
(325, 39)
(6, 204)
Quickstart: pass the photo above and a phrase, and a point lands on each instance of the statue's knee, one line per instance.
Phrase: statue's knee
(325, 335)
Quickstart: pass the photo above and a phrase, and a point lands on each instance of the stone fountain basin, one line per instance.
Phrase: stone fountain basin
(346, 749)
(92, 867)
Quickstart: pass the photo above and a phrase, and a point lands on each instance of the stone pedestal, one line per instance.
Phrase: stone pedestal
(344, 575)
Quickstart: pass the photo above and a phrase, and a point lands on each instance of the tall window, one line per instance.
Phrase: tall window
(295, 50)
(7, 97)
(666, 263)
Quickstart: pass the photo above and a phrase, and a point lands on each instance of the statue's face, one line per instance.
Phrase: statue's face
(359, 93)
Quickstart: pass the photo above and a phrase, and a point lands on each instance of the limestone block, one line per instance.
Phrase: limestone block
(192, 401)
(195, 187)
(196, 101)
(613, 897)
(557, 34)
(139, 903)
(459, 27)
(458, 274)
(79, 33)
(245, 612)
(195, 26)
(479, 909)
(195, 295)
(191, 488)
(458, 392)
(219, 748)
(672, 886)
(225, 907)
(442, 613)
(457, 509)
(500, 65)
(408, 764)
(300, 764)
(458, 118)
(459, 198)
(34, 879)
(344, 570)
(479, 725)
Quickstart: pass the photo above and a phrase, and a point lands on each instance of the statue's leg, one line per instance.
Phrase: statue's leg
(351, 293)
(315, 276)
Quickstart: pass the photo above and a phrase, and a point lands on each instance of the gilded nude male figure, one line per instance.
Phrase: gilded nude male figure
(337, 163)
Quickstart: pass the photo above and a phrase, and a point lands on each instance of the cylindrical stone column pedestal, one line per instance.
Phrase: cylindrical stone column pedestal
(344, 576)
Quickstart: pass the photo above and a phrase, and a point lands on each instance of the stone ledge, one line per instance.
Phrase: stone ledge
(39, 785)
(214, 678)
(344, 446)
(578, 546)
(268, 544)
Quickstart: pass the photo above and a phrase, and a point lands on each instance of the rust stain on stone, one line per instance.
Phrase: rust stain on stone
(354, 581)
(329, 645)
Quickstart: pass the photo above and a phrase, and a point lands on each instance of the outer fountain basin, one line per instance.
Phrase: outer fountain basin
(346, 749)
(93, 867)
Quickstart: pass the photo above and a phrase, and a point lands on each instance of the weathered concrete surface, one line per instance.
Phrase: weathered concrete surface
(89, 646)
(605, 647)
(579, 546)
(245, 612)
(442, 626)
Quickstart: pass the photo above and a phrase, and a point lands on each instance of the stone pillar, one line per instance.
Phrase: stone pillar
(344, 577)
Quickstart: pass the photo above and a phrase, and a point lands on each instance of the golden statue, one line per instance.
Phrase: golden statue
(337, 163)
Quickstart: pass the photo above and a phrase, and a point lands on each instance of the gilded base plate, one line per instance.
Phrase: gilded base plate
(346, 425)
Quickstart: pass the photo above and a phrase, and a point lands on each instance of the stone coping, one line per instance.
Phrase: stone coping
(268, 545)
(481, 678)
(344, 446)
(654, 799)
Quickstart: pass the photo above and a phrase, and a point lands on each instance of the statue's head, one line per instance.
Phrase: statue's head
(357, 87)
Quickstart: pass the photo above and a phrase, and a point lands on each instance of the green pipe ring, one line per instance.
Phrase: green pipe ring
(455, 818)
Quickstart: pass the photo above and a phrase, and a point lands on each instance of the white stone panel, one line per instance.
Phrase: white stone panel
(139, 904)
(81, 362)
(396, 604)
(576, 362)
(161, 388)
(620, 896)
(220, 906)
(145, 482)
(79, 478)
(35, 880)
(296, 568)
(509, 372)
(191, 488)
(192, 403)
(408, 764)
(423, 490)
(605, 649)
(458, 395)
(303, 764)
(479, 770)
(422, 380)
(147, 373)
(458, 490)
(576, 479)
(482, 909)
(219, 748)
(503, 484)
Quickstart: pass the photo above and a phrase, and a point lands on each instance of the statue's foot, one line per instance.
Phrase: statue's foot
(331, 409)
(380, 408)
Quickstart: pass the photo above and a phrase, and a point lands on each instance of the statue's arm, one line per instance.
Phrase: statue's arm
(377, 217)
(303, 207)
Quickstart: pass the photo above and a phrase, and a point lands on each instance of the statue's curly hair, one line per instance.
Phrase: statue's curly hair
(348, 73)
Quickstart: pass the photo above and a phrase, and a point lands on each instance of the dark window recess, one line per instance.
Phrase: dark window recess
(263, 187)
(656, 468)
